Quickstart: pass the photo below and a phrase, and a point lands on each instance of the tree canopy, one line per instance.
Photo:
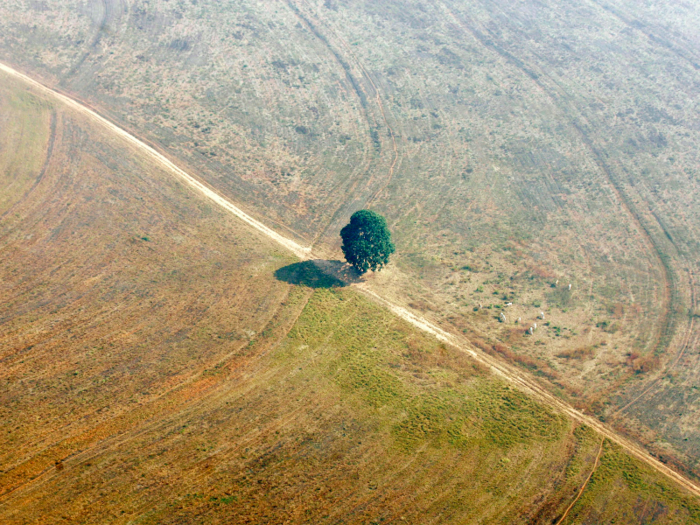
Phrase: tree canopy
(367, 241)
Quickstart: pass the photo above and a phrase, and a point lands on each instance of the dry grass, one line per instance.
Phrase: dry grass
(155, 370)
(537, 142)
(503, 149)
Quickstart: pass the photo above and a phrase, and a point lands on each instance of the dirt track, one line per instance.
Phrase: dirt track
(502, 369)
(294, 247)
(583, 487)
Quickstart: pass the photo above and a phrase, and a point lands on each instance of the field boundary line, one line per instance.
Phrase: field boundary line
(367, 175)
(303, 252)
(502, 369)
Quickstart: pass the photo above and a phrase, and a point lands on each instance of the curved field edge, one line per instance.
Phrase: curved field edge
(30, 123)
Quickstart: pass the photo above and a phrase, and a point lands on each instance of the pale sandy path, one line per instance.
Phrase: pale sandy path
(300, 251)
(502, 369)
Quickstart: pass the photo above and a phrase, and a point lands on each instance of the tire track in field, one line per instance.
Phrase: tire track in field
(669, 327)
(643, 28)
(377, 99)
(684, 346)
(108, 9)
(49, 154)
(362, 97)
(585, 484)
(507, 372)
(159, 411)
(671, 277)
(563, 102)
(380, 104)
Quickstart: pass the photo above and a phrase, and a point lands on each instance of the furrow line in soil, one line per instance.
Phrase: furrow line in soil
(585, 484)
(351, 186)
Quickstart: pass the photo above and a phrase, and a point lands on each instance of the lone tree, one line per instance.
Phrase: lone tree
(367, 241)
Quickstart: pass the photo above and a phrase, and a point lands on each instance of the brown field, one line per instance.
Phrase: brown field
(510, 147)
(164, 364)
(159, 367)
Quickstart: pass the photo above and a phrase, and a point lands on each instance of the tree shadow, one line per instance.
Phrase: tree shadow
(319, 273)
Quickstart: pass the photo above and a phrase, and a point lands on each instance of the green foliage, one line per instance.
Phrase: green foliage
(366, 241)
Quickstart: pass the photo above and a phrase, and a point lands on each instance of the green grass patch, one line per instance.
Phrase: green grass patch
(628, 481)
(382, 364)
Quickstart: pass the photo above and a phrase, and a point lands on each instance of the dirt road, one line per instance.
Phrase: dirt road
(298, 250)
(509, 373)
